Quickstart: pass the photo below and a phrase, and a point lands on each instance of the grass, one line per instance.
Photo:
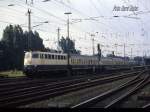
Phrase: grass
(11, 73)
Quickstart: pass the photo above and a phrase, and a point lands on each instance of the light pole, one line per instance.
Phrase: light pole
(116, 48)
(68, 13)
(93, 48)
(68, 50)
(124, 46)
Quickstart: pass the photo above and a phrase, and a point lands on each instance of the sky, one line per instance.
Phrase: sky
(111, 28)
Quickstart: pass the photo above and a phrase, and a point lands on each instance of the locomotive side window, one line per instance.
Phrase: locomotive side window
(42, 56)
(52, 56)
(49, 56)
(46, 56)
(35, 55)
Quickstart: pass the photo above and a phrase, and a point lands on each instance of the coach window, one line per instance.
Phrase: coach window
(61, 57)
(58, 57)
(35, 55)
(77, 61)
(71, 60)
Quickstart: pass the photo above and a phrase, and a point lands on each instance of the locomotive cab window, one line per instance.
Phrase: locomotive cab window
(35, 55)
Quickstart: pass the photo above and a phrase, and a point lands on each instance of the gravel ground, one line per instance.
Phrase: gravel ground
(134, 102)
(109, 99)
(73, 98)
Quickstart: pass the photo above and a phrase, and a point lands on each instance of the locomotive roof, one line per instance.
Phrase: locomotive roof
(46, 52)
(74, 55)
(60, 53)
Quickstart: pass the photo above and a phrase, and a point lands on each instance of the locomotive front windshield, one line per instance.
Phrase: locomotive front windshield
(27, 55)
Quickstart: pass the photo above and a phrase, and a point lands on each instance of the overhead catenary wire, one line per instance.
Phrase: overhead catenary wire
(76, 27)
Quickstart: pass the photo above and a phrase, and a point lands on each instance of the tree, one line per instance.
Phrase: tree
(68, 45)
(36, 42)
(33, 42)
(1, 56)
(15, 42)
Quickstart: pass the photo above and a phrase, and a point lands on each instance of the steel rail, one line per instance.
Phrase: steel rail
(141, 84)
(146, 106)
(51, 85)
(34, 95)
(96, 99)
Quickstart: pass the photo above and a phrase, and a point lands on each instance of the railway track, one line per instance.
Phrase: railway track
(102, 99)
(23, 78)
(146, 106)
(26, 83)
(27, 95)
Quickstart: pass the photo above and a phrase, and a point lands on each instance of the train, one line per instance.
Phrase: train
(36, 62)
